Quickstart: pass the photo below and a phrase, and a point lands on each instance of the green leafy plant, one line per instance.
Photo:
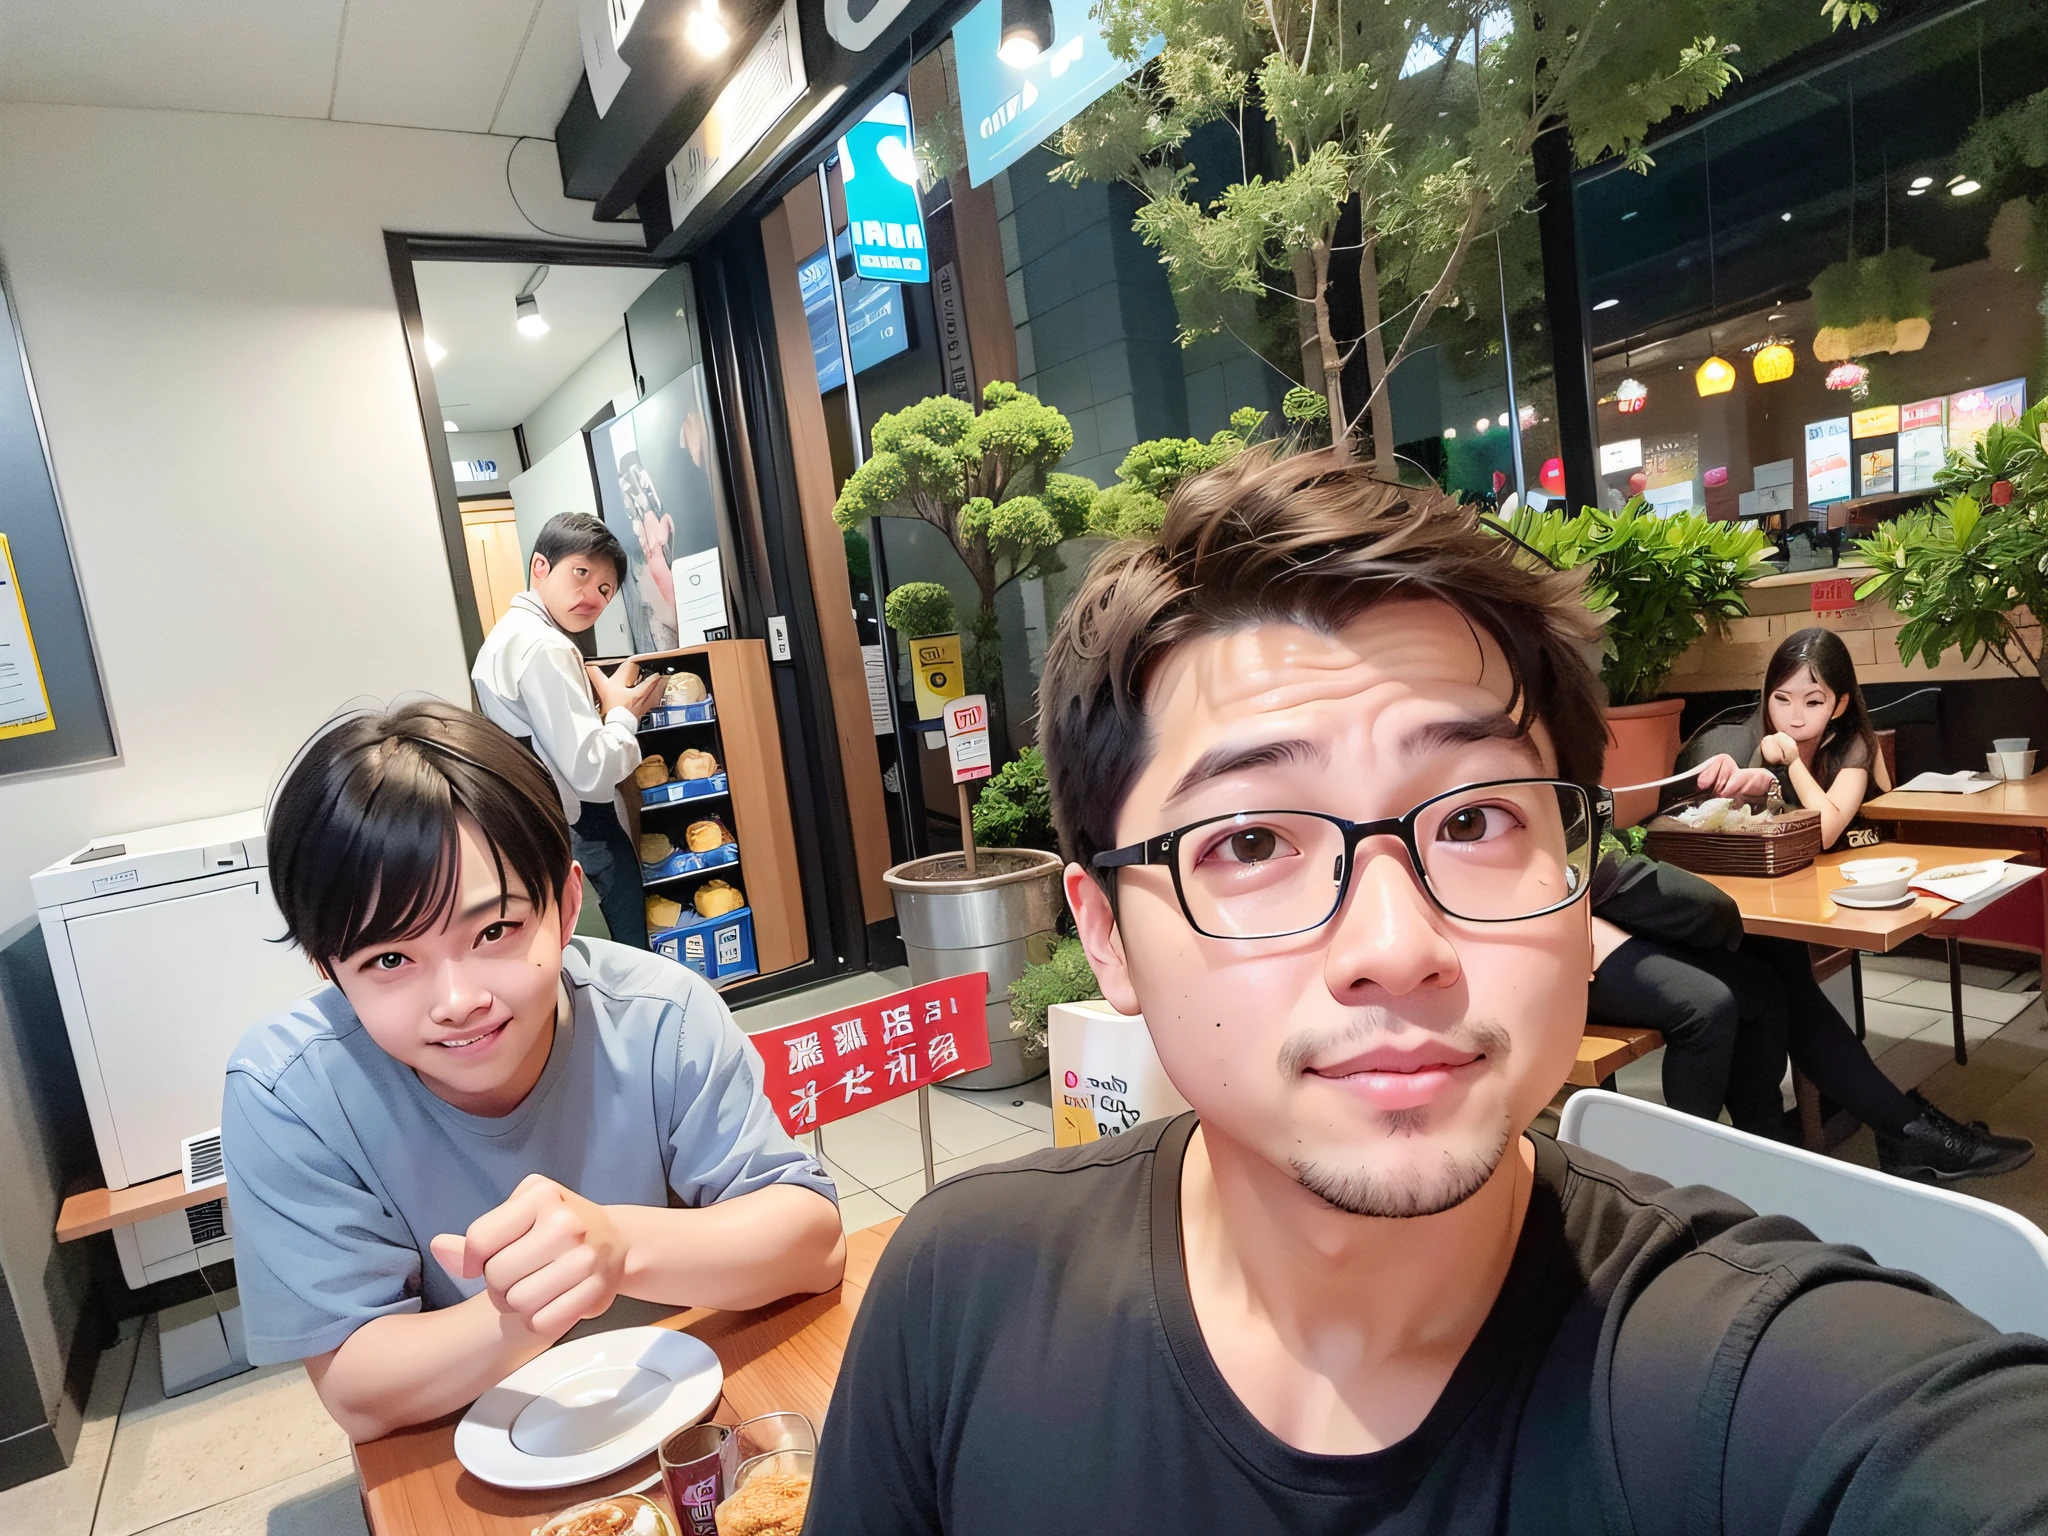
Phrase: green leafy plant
(1971, 573)
(1014, 809)
(984, 480)
(1336, 121)
(1066, 977)
(1135, 506)
(921, 608)
(1871, 304)
(1657, 581)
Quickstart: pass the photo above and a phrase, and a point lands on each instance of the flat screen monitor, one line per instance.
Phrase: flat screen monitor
(876, 326)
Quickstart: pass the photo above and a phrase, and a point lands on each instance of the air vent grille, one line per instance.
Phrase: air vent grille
(203, 1163)
(207, 1223)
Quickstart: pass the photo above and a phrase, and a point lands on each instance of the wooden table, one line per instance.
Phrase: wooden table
(2013, 814)
(782, 1356)
(1798, 907)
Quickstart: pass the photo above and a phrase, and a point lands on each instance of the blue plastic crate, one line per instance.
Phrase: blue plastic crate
(684, 862)
(716, 948)
(684, 789)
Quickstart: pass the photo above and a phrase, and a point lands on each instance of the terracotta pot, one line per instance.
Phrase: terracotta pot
(1642, 744)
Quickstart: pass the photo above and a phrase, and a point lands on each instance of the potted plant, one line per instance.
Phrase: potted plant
(1656, 582)
(1879, 303)
(1967, 575)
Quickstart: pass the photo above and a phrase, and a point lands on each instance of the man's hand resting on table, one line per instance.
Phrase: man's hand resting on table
(547, 1255)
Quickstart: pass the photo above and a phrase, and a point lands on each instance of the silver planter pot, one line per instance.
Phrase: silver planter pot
(994, 923)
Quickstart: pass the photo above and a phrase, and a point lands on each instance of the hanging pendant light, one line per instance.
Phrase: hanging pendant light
(1773, 362)
(1716, 376)
(1848, 376)
(1631, 394)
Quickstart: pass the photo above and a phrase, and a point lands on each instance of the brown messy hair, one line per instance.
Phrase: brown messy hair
(1306, 539)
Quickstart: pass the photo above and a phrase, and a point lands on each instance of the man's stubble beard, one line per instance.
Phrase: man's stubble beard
(1413, 1191)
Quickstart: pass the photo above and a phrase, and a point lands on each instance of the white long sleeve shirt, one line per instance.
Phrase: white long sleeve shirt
(529, 679)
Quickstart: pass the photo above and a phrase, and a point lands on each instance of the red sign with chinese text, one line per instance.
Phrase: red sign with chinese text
(1835, 593)
(851, 1059)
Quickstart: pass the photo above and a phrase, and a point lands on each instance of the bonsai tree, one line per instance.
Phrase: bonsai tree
(1014, 809)
(984, 481)
(921, 608)
(1412, 124)
(1971, 574)
(1655, 580)
(1135, 506)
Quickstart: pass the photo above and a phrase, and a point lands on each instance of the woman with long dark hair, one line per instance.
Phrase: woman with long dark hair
(1812, 730)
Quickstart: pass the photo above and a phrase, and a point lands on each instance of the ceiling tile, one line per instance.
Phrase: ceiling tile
(546, 75)
(428, 66)
(267, 56)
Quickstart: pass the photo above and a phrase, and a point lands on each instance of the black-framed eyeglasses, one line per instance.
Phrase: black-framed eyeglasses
(1496, 852)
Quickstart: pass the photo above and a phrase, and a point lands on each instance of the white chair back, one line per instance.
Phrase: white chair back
(1992, 1261)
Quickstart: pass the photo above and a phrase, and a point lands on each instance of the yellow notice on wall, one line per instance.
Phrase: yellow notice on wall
(935, 674)
(24, 702)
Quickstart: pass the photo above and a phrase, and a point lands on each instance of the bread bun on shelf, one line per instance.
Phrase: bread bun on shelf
(663, 912)
(705, 835)
(654, 847)
(684, 688)
(652, 771)
(715, 898)
(694, 764)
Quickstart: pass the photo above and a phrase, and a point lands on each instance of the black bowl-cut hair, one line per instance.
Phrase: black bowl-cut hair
(578, 533)
(364, 834)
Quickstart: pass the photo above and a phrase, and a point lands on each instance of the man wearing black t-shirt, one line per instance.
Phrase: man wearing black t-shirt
(1323, 758)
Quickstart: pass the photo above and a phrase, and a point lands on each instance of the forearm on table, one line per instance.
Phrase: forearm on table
(411, 1367)
(745, 1252)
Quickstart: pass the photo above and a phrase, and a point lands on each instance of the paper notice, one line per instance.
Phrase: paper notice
(24, 702)
(878, 688)
(700, 599)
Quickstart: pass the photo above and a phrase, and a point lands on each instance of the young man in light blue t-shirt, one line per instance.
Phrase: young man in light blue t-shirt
(486, 1129)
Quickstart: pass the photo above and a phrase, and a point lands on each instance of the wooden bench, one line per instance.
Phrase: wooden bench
(1605, 1049)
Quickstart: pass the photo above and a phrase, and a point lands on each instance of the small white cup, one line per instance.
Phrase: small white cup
(2009, 765)
(1880, 879)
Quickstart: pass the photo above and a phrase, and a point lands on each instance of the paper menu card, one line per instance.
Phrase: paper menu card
(1974, 886)
(1964, 783)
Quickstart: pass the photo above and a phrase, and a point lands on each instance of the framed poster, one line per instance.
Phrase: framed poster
(1874, 470)
(1827, 461)
(1671, 468)
(1971, 411)
(53, 713)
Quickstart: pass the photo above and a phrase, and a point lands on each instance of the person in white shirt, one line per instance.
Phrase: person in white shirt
(531, 679)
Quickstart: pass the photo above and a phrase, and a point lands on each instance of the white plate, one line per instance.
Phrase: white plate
(588, 1407)
(1843, 898)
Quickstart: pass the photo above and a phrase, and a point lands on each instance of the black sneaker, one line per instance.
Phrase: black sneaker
(1937, 1148)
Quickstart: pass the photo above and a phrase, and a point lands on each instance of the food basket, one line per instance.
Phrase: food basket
(1787, 844)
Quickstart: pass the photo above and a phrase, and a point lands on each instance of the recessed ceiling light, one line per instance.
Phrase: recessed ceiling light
(1503, 418)
(1776, 315)
(1786, 217)
(435, 352)
(1914, 191)
(1027, 32)
(1965, 188)
(1481, 424)
(1953, 179)
(449, 426)
(1922, 183)
(1607, 304)
(704, 32)
(1450, 432)
(1629, 215)
(526, 310)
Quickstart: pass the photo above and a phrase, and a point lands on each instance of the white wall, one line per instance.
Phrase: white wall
(606, 375)
(209, 319)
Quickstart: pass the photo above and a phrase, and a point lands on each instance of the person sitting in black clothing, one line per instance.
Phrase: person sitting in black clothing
(1812, 731)
(1324, 757)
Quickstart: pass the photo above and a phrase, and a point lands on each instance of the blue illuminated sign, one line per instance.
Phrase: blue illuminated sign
(1025, 67)
(883, 215)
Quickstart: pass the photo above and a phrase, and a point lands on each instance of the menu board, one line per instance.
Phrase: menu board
(1874, 472)
(1878, 421)
(1827, 461)
(1971, 411)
